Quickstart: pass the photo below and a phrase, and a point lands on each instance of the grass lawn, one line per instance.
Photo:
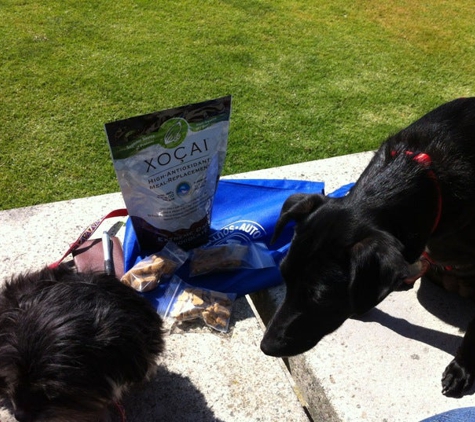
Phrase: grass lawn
(309, 79)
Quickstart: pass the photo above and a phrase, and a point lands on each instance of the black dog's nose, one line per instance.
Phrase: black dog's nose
(270, 348)
(277, 345)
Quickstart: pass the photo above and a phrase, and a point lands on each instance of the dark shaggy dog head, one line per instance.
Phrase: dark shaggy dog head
(335, 268)
(70, 344)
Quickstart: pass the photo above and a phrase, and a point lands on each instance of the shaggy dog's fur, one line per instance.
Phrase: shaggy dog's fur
(413, 204)
(72, 343)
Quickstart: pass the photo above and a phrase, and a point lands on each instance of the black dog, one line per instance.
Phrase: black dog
(72, 343)
(413, 204)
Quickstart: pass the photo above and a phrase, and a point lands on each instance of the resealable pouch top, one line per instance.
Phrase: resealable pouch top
(168, 164)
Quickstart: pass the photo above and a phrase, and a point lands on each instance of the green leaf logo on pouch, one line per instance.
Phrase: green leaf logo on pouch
(173, 132)
(170, 134)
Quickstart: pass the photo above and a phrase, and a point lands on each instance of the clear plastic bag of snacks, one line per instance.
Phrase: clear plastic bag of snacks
(146, 274)
(183, 302)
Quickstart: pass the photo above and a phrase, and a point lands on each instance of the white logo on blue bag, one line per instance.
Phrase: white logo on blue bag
(242, 231)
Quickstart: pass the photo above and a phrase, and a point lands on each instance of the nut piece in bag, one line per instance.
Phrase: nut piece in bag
(217, 315)
(145, 275)
(183, 302)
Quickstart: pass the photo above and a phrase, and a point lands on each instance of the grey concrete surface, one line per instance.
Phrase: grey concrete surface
(386, 366)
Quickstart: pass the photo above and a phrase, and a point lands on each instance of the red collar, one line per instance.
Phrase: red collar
(424, 160)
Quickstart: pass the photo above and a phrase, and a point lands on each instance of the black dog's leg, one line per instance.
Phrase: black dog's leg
(459, 375)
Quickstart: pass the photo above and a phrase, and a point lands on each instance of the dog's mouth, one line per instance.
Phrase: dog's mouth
(294, 333)
(280, 341)
(289, 347)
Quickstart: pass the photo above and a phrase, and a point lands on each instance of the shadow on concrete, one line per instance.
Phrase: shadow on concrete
(443, 341)
(448, 307)
(167, 397)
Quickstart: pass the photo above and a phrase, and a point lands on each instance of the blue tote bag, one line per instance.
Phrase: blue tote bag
(244, 210)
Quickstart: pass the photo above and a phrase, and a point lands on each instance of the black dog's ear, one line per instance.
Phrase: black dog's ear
(296, 207)
(377, 269)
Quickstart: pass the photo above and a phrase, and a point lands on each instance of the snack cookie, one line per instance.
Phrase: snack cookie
(146, 275)
(213, 307)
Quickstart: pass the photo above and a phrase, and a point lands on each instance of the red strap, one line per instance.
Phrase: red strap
(87, 233)
(425, 160)
(421, 158)
(429, 259)
(121, 410)
(426, 262)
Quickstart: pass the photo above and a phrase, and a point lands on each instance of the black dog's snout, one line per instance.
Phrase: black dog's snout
(270, 347)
